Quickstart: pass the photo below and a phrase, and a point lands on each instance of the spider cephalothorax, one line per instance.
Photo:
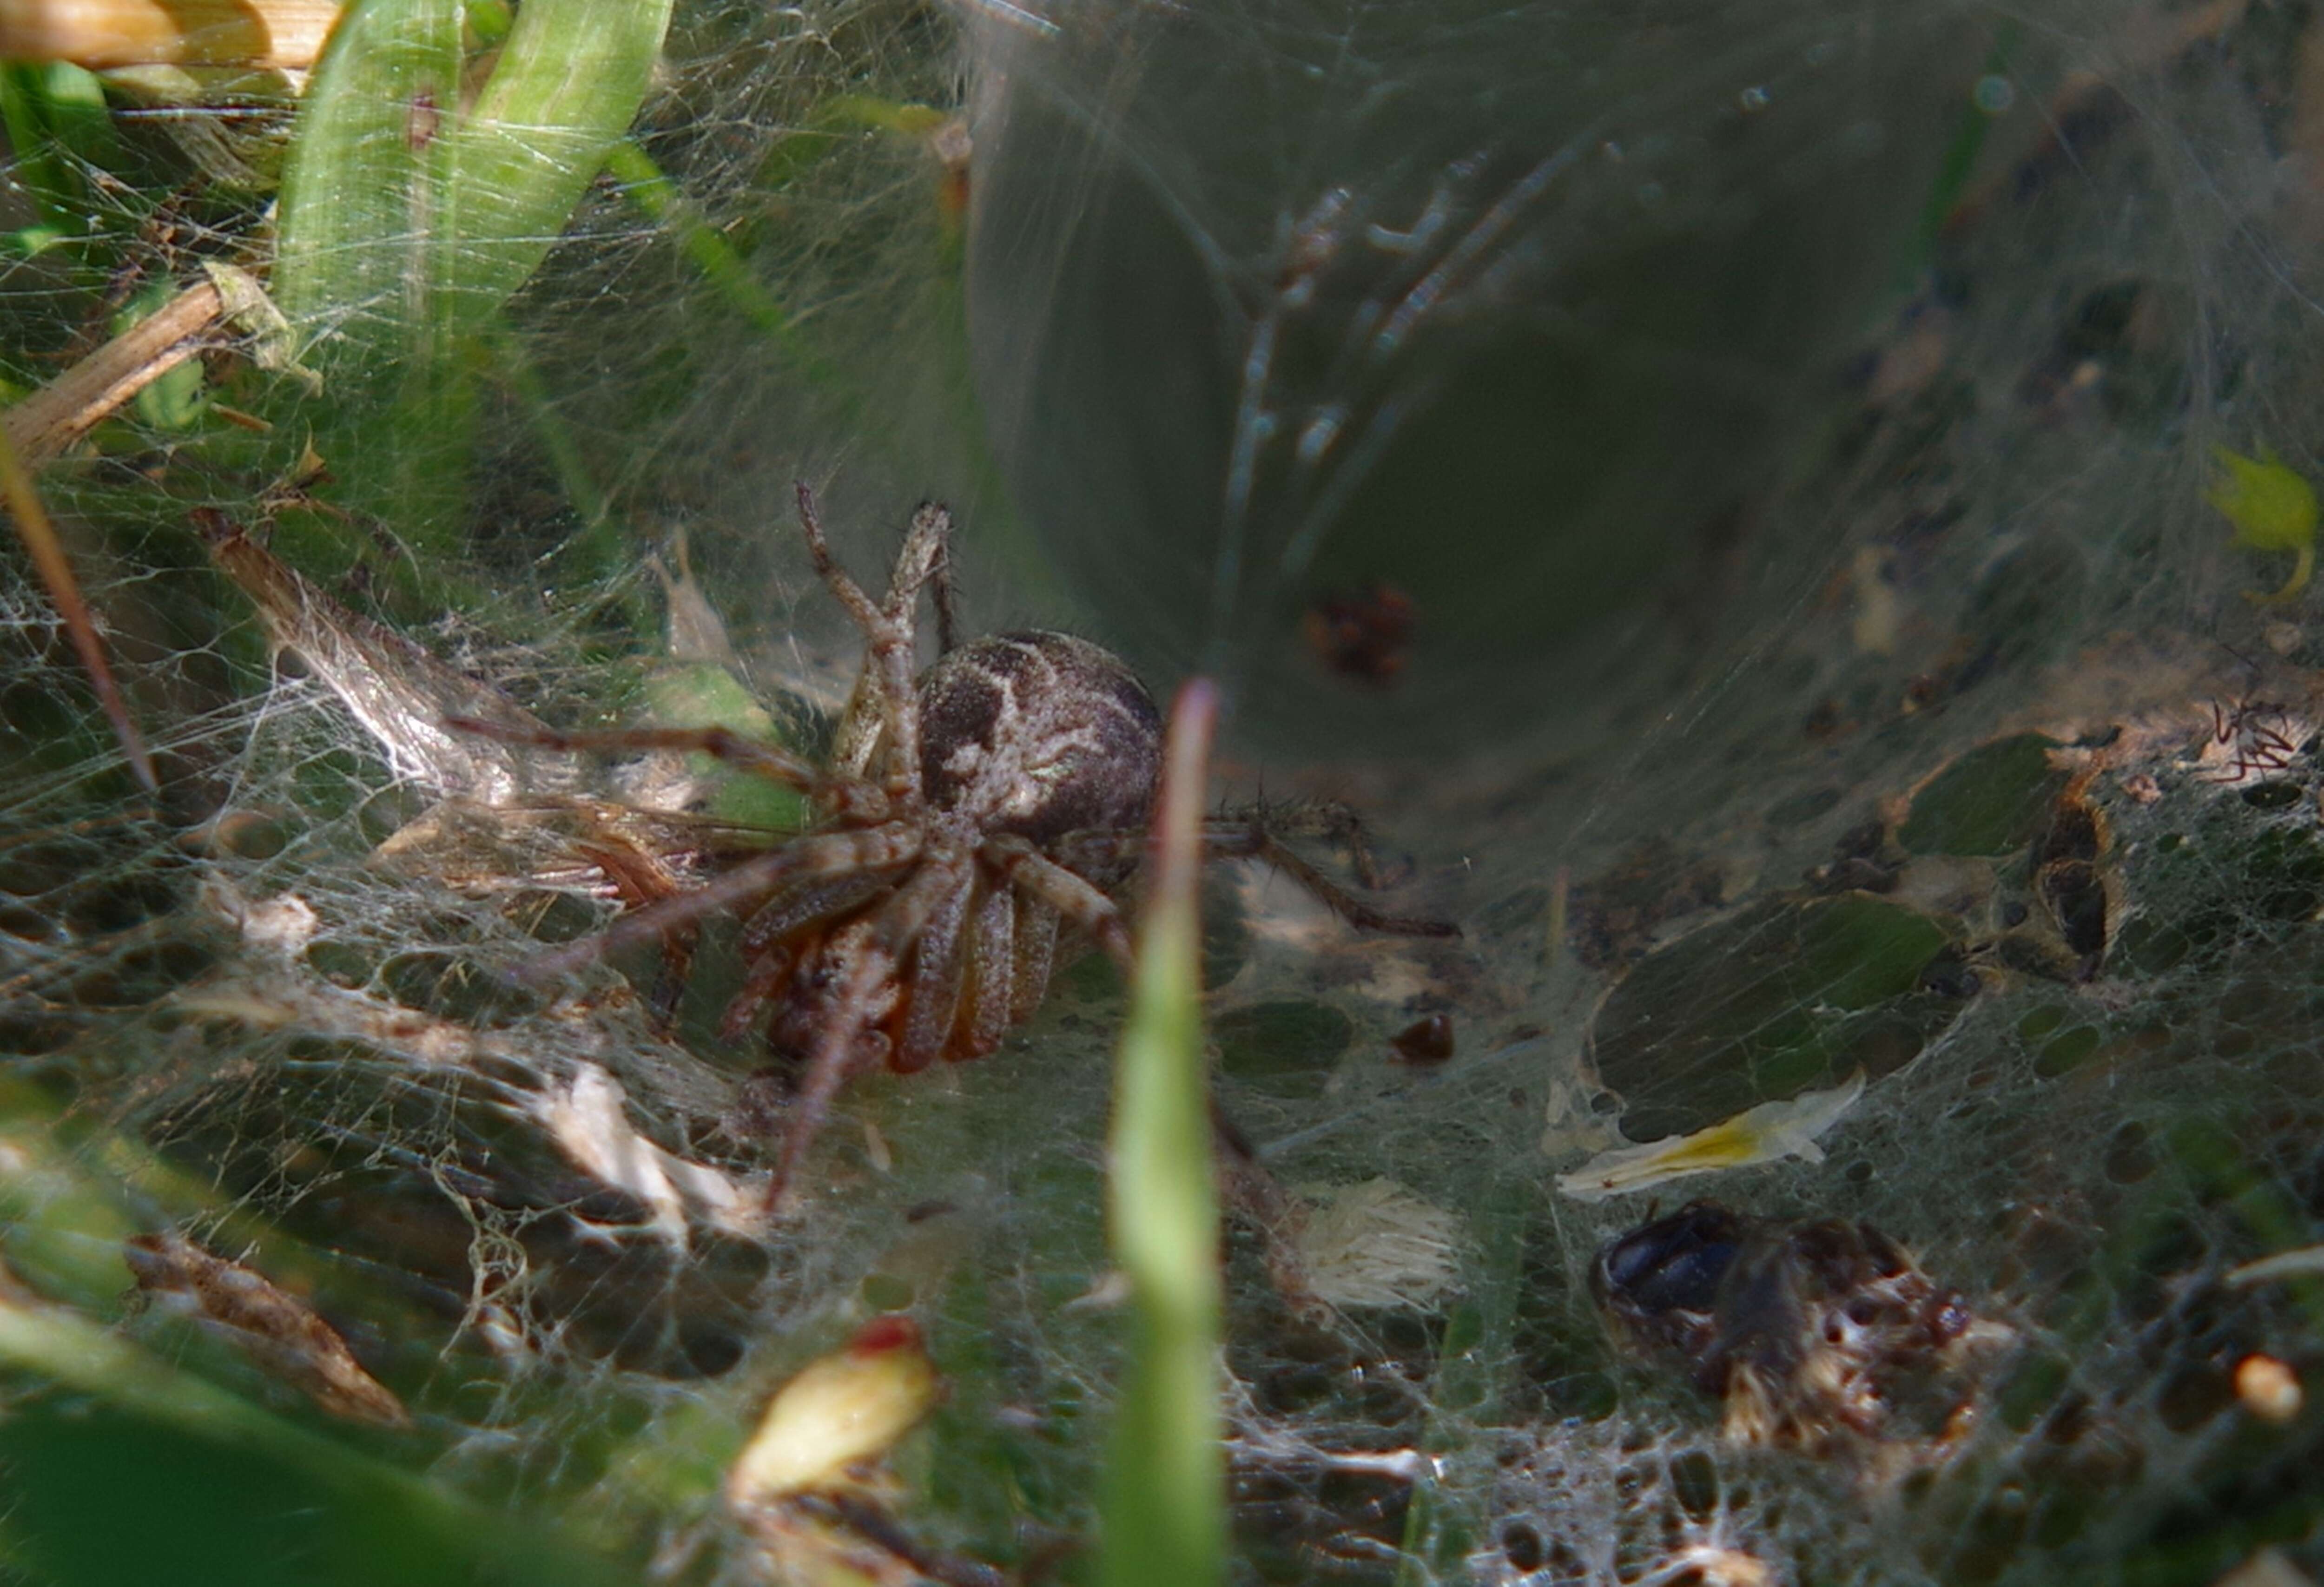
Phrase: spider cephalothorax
(1038, 758)
(967, 817)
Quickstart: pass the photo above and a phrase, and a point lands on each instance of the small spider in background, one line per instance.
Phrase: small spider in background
(966, 818)
(1366, 637)
(2250, 739)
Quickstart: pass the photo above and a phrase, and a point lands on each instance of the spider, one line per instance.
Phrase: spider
(966, 818)
(2248, 740)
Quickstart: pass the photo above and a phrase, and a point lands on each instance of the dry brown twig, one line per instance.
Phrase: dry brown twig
(282, 35)
(52, 420)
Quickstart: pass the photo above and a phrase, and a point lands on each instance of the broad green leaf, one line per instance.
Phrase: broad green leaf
(361, 202)
(416, 199)
(567, 84)
(1990, 801)
(408, 215)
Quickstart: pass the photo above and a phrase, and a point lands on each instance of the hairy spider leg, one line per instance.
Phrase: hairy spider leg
(928, 918)
(987, 975)
(795, 908)
(1325, 818)
(932, 997)
(890, 636)
(878, 952)
(1253, 835)
(760, 983)
(947, 610)
(807, 901)
(1033, 955)
(1250, 838)
(877, 1528)
(892, 844)
(1025, 867)
(639, 880)
(844, 796)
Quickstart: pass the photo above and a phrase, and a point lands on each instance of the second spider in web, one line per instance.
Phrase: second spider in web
(969, 820)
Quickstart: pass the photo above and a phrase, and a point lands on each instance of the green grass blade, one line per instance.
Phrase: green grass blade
(567, 84)
(57, 124)
(1166, 1480)
(361, 190)
(661, 200)
(415, 202)
(405, 217)
(355, 1518)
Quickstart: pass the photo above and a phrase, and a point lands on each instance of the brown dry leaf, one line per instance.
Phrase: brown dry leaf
(280, 1332)
(53, 420)
(400, 692)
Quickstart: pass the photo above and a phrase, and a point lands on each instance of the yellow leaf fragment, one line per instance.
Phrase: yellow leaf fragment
(1763, 1134)
(843, 1411)
(2273, 508)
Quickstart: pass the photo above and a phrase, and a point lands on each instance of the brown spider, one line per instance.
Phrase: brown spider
(965, 817)
(2250, 739)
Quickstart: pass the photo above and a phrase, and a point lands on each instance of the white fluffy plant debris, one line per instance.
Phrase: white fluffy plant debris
(401, 694)
(2305, 1261)
(1376, 1246)
(1763, 1134)
(586, 1117)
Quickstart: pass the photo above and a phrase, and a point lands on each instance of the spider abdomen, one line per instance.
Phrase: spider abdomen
(1039, 734)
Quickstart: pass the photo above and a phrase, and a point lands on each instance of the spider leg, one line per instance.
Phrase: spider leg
(1035, 953)
(887, 631)
(1248, 1191)
(1254, 835)
(639, 880)
(841, 584)
(829, 1068)
(838, 1047)
(932, 996)
(761, 984)
(809, 900)
(759, 759)
(771, 946)
(870, 848)
(989, 974)
(924, 557)
(947, 612)
(1249, 838)
(1027, 868)
(1325, 818)
(873, 1525)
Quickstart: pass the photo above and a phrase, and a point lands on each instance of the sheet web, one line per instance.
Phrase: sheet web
(1725, 496)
